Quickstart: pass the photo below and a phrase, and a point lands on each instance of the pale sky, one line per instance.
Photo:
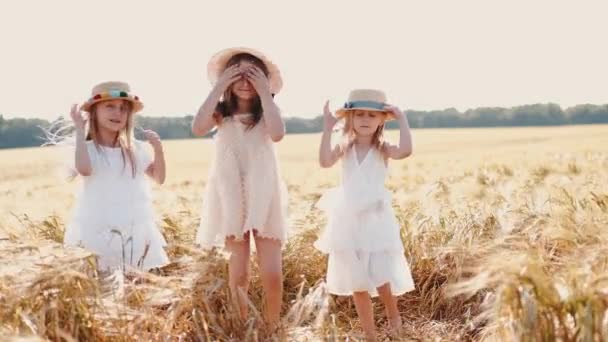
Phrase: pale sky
(424, 54)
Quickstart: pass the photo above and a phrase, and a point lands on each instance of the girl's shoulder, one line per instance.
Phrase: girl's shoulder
(383, 152)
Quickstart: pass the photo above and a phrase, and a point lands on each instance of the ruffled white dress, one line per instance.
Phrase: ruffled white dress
(362, 235)
(113, 216)
(244, 192)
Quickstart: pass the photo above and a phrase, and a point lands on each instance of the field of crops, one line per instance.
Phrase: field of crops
(506, 231)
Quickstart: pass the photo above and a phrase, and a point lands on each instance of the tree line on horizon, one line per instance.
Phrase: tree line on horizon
(22, 132)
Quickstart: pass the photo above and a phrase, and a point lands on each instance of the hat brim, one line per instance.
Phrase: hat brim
(218, 62)
(137, 105)
(342, 112)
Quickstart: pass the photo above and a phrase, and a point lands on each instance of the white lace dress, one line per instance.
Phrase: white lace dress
(244, 191)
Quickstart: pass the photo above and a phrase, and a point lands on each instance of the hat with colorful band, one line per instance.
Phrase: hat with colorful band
(112, 91)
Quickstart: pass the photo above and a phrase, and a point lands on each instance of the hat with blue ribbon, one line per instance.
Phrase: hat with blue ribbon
(112, 91)
(365, 99)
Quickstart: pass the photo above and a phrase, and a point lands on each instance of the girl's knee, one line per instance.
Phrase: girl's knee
(385, 288)
(236, 246)
(361, 294)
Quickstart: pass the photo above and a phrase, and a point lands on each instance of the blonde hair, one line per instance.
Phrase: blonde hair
(124, 138)
(349, 133)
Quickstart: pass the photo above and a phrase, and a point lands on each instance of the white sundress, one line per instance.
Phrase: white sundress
(362, 235)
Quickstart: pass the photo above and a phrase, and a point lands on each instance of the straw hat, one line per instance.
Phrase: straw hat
(365, 99)
(112, 91)
(218, 62)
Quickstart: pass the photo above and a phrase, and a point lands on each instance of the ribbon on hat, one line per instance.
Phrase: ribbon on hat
(364, 104)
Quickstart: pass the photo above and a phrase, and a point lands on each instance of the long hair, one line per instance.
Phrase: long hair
(349, 134)
(229, 104)
(124, 138)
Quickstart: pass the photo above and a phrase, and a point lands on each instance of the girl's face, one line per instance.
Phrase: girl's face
(112, 115)
(366, 123)
(242, 88)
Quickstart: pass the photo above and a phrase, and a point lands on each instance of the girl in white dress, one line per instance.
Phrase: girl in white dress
(245, 198)
(113, 216)
(362, 236)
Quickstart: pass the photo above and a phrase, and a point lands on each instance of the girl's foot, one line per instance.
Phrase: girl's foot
(395, 326)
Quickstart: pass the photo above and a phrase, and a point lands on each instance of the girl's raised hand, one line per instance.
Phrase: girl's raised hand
(77, 118)
(230, 75)
(258, 79)
(153, 138)
(329, 120)
(395, 111)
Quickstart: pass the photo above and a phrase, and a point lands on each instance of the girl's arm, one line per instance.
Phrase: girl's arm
(327, 155)
(204, 121)
(272, 114)
(404, 149)
(156, 170)
(82, 160)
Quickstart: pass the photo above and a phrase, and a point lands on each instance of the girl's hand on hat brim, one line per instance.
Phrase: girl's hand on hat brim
(395, 110)
(77, 118)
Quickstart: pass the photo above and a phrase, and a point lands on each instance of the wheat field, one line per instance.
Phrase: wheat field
(505, 229)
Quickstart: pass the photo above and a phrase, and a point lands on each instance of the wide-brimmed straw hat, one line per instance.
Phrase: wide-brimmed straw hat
(365, 99)
(112, 91)
(218, 62)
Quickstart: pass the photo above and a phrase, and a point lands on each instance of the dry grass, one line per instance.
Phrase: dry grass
(505, 230)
